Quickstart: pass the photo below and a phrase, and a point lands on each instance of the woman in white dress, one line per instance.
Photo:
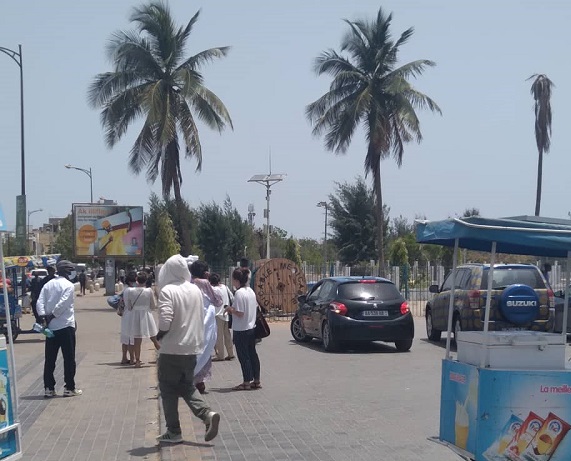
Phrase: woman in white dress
(126, 340)
(212, 300)
(140, 301)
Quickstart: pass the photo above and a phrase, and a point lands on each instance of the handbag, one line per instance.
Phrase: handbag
(261, 329)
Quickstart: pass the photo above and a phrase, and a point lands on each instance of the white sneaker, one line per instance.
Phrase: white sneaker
(169, 437)
(49, 393)
(72, 393)
(212, 421)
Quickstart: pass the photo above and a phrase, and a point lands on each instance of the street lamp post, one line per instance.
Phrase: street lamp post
(28, 227)
(326, 206)
(20, 200)
(88, 173)
(267, 180)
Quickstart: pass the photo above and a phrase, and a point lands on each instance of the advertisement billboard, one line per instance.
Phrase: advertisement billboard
(107, 231)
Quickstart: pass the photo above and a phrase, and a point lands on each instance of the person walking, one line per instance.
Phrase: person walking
(82, 282)
(243, 312)
(141, 302)
(223, 335)
(212, 301)
(55, 305)
(181, 334)
(35, 288)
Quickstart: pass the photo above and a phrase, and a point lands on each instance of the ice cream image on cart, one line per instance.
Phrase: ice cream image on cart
(507, 394)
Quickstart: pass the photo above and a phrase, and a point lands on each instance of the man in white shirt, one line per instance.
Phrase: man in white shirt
(55, 307)
(181, 334)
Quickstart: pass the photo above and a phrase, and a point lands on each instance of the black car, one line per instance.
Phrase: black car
(341, 310)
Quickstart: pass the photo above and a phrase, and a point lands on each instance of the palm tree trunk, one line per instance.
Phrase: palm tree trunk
(379, 217)
(185, 243)
(539, 176)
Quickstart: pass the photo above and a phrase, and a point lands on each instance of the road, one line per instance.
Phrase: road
(370, 404)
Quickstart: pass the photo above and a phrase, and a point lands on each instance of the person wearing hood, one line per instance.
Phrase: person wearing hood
(181, 336)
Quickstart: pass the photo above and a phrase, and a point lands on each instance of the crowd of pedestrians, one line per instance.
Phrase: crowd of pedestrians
(200, 321)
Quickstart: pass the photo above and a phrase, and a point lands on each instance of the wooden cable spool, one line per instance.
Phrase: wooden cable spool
(277, 284)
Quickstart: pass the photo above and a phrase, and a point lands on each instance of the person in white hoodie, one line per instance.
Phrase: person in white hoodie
(181, 335)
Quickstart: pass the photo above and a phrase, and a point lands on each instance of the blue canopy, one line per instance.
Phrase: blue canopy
(522, 236)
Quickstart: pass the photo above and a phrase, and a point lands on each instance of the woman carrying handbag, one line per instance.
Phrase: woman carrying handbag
(244, 312)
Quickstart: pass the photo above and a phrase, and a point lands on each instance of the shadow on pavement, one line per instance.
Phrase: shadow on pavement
(33, 397)
(441, 343)
(143, 452)
(355, 348)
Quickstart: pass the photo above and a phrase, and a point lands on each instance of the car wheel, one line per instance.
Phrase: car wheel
(297, 331)
(432, 333)
(403, 345)
(329, 343)
(456, 327)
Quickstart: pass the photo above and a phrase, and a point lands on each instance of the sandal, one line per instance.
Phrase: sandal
(138, 364)
(256, 385)
(125, 362)
(242, 387)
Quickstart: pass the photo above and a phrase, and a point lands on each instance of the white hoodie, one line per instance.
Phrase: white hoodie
(181, 309)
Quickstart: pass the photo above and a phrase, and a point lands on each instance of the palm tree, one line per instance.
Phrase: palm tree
(541, 91)
(369, 89)
(152, 79)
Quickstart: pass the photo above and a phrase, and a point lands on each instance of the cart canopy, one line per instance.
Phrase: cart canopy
(524, 236)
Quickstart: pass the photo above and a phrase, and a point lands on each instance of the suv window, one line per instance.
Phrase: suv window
(505, 276)
(462, 278)
(360, 290)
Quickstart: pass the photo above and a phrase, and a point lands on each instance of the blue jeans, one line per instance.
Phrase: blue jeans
(245, 342)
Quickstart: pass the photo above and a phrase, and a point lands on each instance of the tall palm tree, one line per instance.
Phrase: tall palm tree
(369, 89)
(541, 91)
(152, 79)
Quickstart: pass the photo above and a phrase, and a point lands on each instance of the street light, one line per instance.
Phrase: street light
(326, 206)
(20, 200)
(28, 228)
(88, 173)
(267, 180)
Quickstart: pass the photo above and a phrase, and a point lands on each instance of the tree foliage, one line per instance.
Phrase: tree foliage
(541, 89)
(353, 222)
(369, 89)
(63, 242)
(152, 79)
(166, 239)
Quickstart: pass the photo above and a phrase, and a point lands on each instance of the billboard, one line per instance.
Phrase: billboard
(107, 231)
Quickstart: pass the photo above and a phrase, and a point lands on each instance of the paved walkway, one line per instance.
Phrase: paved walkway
(363, 405)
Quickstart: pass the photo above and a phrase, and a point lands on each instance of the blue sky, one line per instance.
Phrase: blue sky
(480, 153)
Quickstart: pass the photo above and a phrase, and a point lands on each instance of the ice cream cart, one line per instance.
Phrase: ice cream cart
(507, 394)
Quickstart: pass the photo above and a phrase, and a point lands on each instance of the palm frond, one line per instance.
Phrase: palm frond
(329, 62)
(132, 53)
(541, 89)
(411, 69)
(155, 20)
(143, 149)
(336, 93)
(196, 61)
(120, 112)
(210, 109)
(107, 85)
(190, 134)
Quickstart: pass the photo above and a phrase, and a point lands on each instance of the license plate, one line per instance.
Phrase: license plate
(375, 313)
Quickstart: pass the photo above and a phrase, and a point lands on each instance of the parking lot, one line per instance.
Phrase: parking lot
(369, 404)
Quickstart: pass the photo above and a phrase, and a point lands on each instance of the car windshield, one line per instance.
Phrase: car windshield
(365, 291)
(505, 276)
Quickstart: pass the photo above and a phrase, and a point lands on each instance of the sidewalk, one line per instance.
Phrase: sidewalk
(116, 418)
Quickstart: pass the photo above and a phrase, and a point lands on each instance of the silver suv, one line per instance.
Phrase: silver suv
(521, 300)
